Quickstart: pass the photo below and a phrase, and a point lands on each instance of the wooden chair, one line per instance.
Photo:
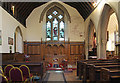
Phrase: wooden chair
(3, 79)
(16, 75)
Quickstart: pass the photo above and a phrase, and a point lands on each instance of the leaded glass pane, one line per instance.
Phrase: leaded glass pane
(61, 31)
(50, 16)
(48, 31)
(55, 29)
(60, 16)
(55, 12)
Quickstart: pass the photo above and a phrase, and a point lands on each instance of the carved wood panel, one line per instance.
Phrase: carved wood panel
(72, 51)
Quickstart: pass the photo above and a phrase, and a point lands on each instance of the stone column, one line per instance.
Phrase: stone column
(119, 27)
(86, 45)
(103, 49)
(86, 49)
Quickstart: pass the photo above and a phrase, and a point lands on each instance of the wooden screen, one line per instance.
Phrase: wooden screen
(72, 51)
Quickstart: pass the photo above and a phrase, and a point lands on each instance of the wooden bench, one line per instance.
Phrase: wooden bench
(94, 71)
(110, 75)
(82, 66)
(86, 67)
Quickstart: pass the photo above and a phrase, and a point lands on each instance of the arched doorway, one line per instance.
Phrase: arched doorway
(102, 31)
(112, 36)
(92, 40)
(18, 40)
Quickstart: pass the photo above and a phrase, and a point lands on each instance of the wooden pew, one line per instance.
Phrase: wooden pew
(94, 71)
(86, 66)
(82, 66)
(110, 75)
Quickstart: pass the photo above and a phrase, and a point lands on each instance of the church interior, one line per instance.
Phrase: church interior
(59, 40)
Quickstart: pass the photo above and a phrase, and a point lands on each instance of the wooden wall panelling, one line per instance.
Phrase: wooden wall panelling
(7, 57)
(33, 49)
(42, 50)
(72, 51)
(25, 47)
(76, 52)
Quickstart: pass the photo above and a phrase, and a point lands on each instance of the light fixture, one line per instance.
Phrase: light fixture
(13, 9)
(96, 2)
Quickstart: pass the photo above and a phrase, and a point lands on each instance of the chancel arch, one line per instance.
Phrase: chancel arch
(18, 40)
(102, 31)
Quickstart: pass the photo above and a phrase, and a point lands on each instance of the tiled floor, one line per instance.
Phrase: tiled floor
(55, 76)
(65, 76)
(71, 77)
(62, 76)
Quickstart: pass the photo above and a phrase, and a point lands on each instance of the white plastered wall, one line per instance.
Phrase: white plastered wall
(19, 41)
(1, 28)
(9, 25)
(112, 28)
(35, 30)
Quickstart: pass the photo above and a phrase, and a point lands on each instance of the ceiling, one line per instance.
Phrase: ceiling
(23, 9)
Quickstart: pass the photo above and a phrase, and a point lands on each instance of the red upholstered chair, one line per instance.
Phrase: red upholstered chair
(7, 69)
(3, 79)
(61, 65)
(1, 71)
(16, 75)
(26, 71)
(49, 65)
(0, 67)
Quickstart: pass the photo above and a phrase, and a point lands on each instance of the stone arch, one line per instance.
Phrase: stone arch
(102, 30)
(57, 4)
(18, 40)
(89, 31)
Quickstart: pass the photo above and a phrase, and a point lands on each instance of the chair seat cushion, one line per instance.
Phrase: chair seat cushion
(31, 75)
(36, 78)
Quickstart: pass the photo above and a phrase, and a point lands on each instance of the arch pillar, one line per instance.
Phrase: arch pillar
(89, 32)
(86, 46)
(119, 27)
(102, 32)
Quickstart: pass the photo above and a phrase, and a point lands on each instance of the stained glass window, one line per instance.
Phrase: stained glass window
(55, 25)
(48, 31)
(55, 29)
(60, 16)
(50, 16)
(61, 31)
(55, 12)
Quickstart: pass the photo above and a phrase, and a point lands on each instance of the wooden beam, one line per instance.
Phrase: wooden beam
(21, 6)
(84, 11)
(26, 9)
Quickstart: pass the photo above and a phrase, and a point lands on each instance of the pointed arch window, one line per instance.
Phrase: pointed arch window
(55, 25)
